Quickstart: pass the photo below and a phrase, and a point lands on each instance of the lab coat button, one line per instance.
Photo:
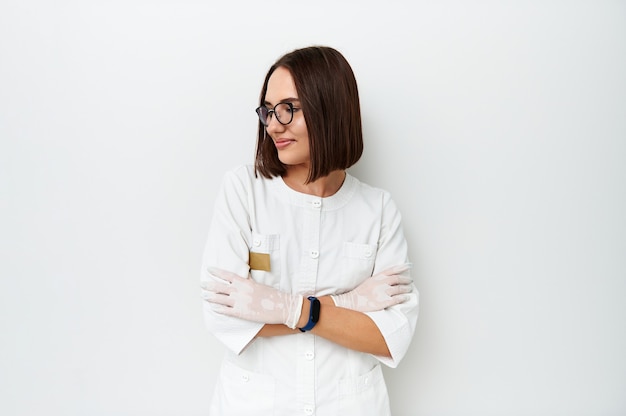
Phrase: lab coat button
(368, 253)
(315, 254)
(316, 204)
(309, 355)
(245, 378)
(257, 242)
(308, 410)
(367, 381)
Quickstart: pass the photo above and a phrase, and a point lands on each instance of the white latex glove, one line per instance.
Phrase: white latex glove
(243, 298)
(377, 292)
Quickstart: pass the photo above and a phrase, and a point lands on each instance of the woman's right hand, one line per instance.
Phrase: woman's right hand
(378, 292)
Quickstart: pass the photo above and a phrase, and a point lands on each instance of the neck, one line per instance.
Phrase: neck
(322, 187)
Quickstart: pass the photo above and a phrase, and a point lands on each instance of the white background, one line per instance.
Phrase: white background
(499, 127)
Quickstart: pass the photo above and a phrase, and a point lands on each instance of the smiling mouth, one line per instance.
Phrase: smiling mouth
(281, 144)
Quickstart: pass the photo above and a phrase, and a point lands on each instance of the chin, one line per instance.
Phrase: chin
(292, 161)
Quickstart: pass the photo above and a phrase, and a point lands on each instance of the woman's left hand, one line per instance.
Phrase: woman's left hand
(233, 295)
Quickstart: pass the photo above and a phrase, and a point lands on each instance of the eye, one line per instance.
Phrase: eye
(293, 109)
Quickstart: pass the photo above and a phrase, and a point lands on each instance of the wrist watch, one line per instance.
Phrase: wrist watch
(314, 314)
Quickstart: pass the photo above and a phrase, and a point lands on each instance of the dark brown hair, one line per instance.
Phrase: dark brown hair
(329, 99)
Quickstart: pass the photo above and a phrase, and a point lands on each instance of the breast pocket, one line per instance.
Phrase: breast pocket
(364, 395)
(357, 263)
(243, 393)
(264, 258)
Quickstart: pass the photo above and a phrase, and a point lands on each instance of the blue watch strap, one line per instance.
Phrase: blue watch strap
(314, 314)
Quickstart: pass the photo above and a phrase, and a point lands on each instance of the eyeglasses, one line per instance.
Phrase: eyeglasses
(284, 113)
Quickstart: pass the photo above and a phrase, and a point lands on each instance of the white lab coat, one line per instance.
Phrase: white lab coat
(317, 246)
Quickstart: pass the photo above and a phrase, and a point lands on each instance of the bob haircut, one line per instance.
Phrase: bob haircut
(329, 99)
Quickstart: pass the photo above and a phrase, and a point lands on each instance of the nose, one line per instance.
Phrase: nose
(273, 125)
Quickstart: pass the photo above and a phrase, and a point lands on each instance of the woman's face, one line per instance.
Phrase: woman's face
(291, 140)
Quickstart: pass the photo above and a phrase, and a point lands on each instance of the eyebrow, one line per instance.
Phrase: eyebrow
(284, 100)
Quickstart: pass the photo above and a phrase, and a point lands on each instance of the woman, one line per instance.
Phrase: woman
(305, 271)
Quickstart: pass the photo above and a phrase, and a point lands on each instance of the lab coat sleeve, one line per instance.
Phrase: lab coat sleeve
(227, 248)
(397, 323)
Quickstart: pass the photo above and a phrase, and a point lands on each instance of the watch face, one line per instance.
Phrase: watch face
(314, 314)
(315, 310)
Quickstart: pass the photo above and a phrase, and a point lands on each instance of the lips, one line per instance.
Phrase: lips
(283, 143)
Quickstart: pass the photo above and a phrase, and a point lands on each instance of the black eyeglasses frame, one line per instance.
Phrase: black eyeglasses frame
(265, 120)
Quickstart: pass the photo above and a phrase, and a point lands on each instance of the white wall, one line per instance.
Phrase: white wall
(499, 127)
